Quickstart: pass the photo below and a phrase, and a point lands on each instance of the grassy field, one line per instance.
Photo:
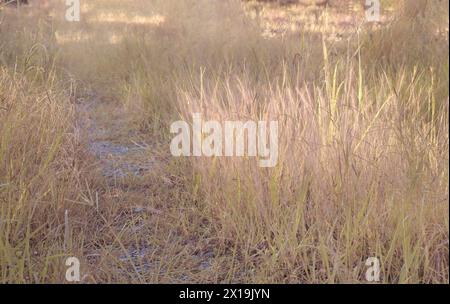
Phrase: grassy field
(86, 170)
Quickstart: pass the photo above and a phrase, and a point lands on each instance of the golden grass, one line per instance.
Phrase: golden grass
(363, 147)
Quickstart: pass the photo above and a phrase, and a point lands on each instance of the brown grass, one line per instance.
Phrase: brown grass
(363, 146)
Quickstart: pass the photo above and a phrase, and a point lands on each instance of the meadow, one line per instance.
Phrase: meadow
(363, 151)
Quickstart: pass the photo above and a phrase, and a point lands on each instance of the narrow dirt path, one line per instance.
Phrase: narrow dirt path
(152, 235)
(123, 160)
(113, 139)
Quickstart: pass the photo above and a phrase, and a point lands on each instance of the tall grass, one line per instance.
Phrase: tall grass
(363, 147)
(36, 176)
(363, 161)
